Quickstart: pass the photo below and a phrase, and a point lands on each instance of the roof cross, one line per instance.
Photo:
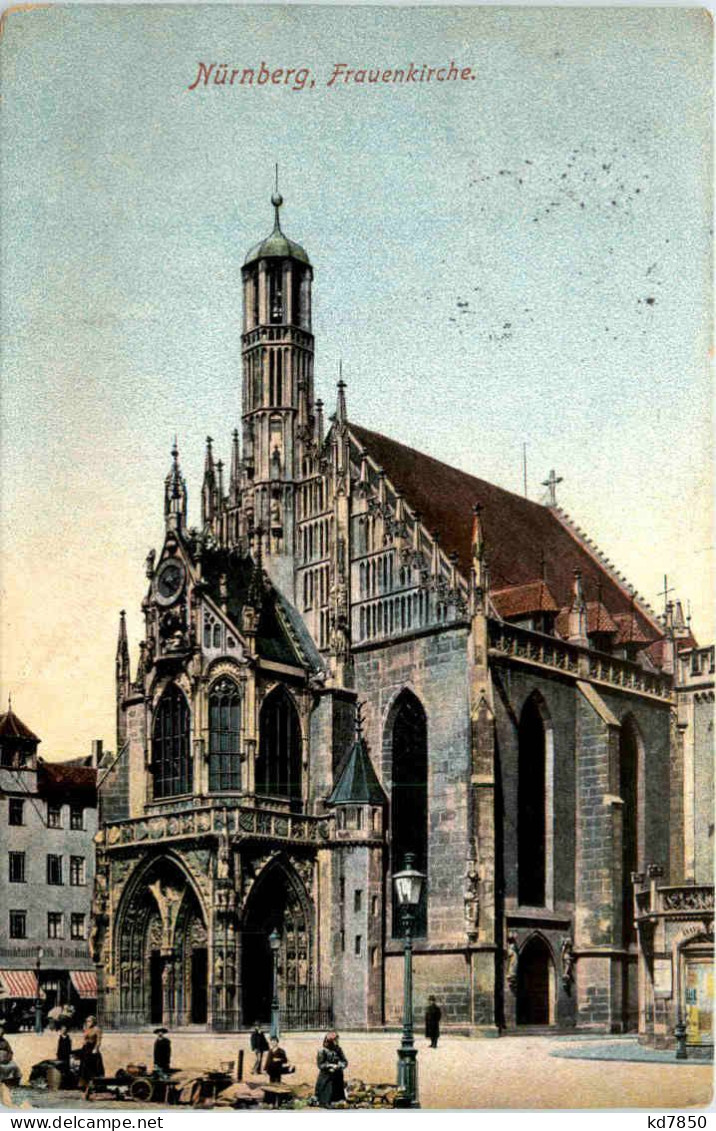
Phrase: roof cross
(665, 591)
(551, 483)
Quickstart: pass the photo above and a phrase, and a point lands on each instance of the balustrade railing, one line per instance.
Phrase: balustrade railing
(204, 819)
(509, 640)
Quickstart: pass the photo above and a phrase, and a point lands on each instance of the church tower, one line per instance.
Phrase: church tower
(277, 393)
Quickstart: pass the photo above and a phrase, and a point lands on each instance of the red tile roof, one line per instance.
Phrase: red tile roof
(598, 620)
(630, 630)
(534, 597)
(66, 778)
(517, 531)
(12, 727)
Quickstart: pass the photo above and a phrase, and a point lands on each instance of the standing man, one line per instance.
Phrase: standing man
(259, 1045)
(162, 1052)
(432, 1022)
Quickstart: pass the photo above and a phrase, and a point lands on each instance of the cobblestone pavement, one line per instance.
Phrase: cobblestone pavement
(509, 1072)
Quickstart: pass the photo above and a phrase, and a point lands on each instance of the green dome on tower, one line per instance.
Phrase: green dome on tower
(277, 245)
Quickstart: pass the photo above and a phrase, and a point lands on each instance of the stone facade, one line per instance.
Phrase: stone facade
(675, 913)
(515, 732)
(48, 817)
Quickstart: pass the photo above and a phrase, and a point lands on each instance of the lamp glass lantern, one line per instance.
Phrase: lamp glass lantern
(409, 884)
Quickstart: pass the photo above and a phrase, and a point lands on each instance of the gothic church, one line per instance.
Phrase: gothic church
(515, 732)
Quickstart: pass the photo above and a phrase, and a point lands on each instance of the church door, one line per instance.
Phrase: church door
(278, 901)
(198, 986)
(534, 973)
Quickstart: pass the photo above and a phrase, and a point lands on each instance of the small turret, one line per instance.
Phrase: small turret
(175, 496)
(208, 488)
(358, 796)
(122, 657)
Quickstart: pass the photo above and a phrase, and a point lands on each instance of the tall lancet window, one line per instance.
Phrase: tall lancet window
(533, 806)
(278, 766)
(629, 792)
(171, 745)
(224, 736)
(408, 745)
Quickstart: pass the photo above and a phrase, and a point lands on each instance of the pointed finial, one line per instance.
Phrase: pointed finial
(341, 414)
(9, 702)
(359, 719)
(277, 201)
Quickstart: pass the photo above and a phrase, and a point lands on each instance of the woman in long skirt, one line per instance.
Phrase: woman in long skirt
(330, 1085)
(91, 1063)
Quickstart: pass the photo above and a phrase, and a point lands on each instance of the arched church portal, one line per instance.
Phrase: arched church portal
(535, 984)
(278, 901)
(162, 947)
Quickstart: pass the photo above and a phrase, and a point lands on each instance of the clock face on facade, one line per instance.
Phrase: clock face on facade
(170, 582)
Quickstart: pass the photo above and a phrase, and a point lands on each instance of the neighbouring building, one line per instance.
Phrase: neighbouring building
(516, 731)
(48, 820)
(675, 912)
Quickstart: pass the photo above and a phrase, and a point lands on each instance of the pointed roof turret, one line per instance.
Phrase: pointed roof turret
(175, 494)
(358, 782)
(12, 727)
(208, 488)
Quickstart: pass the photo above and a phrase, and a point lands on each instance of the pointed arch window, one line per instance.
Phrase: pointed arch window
(278, 766)
(534, 806)
(629, 793)
(224, 736)
(408, 745)
(171, 756)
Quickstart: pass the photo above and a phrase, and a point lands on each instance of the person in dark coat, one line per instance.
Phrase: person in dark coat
(331, 1061)
(276, 1063)
(63, 1054)
(432, 1022)
(162, 1051)
(259, 1045)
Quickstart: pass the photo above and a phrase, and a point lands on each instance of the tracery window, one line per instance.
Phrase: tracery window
(171, 761)
(278, 766)
(224, 736)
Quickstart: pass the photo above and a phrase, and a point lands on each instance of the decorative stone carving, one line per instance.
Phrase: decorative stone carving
(689, 899)
(512, 963)
(472, 899)
(168, 901)
(223, 859)
(568, 960)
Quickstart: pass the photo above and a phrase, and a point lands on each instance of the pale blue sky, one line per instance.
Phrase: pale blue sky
(562, 199)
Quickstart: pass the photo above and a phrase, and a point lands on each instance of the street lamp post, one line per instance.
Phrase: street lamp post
(38, 1002)
(408, 889)
(275, 943)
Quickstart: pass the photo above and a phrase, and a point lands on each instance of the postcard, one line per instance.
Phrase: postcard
(358, 655)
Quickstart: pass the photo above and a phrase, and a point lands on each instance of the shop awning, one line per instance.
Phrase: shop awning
(85, 982)
(18, 983)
